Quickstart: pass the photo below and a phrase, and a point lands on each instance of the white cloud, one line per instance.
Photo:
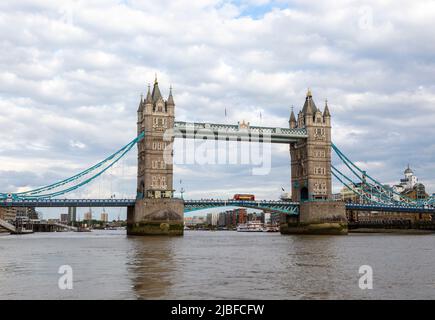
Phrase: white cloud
(77, 144)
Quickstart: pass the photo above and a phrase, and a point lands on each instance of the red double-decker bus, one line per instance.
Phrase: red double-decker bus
(246, 197)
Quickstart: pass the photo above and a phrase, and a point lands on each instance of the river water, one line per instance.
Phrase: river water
(216, 265)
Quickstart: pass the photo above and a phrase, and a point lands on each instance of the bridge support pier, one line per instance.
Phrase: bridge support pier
(156, 217)
(317, 217)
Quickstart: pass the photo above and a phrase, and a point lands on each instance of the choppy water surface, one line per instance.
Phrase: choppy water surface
(216, 265)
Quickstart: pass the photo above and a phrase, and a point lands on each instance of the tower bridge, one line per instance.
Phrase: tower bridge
(155, 210)
(309, 140)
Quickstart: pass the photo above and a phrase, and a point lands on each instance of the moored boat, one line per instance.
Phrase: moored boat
(250, 226)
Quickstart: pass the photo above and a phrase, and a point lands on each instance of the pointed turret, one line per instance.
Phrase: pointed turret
(292, 120)
(140, 108)
(170, 98)
(148, 98)
(156, 95)
(309, 105)
(326, 112)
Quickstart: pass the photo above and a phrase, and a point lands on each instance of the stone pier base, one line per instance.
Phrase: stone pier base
(156, 217)
(317, 217)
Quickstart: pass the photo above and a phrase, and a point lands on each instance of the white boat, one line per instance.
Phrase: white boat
(251, 226)
(271, 229)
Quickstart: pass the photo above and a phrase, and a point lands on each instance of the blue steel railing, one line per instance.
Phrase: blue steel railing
(56, 203)
(289, 208)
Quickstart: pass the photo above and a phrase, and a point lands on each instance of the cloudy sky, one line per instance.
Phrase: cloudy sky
(71, 75)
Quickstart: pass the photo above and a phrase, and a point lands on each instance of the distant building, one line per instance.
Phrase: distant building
(64, 218)
(213, 218)
(350, 195)
(104, 217)
(242, 215)
(12, 213)
(229, 218)
(8, 213)
(267, 218)
(232, 218)
(221, 220)
(252, 217)
(88, 216)
(406, 183)
(388, 216)
(353, 195)
(17, 216)
(195, 220)
(72, 214)
(32, 214)
(410, 187)
(262, 216)
(418, 192)
(187, 221)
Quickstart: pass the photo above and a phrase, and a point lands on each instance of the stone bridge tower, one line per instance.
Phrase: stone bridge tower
(311, 174)
(155, 116)
(156, 211)
(311, 158)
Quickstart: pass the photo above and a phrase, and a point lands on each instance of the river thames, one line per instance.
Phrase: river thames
(216, 265)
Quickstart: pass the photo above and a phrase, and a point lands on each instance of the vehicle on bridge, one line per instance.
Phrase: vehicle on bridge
(246, 197)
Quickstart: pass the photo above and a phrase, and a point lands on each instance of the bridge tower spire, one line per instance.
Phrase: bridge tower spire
(292, 120)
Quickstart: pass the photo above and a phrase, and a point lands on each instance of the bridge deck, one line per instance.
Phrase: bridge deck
(85, 203)
(291, 208)
(216, 131)
(191, 205)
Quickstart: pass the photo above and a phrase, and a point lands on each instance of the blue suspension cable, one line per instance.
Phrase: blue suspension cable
(44, 196)
(31, 194)
(363, 181)
(335, 173)
(75, 177)
(347, 160)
